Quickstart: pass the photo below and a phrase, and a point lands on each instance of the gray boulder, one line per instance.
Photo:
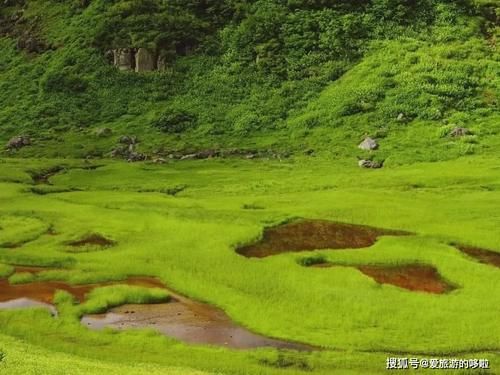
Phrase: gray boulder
(18, 142)
(128, 140)
(368, 144)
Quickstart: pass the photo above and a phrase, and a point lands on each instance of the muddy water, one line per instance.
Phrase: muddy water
(305, 235)
(182, 318)
(23, 303)
(482, 255)
(417, 278)
(189, 321)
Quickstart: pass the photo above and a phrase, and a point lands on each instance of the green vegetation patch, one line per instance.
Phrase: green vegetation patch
(101, 299)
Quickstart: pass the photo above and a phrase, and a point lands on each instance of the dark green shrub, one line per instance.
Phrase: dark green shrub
(63, 81)
(175, 121)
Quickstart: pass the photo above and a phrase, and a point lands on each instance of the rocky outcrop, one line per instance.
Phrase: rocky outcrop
(126, 149)
(18, 142)
(145, 60)
(124, 58)
(136, 59)
(368, 144)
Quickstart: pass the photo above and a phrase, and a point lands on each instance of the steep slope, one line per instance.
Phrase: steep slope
(290, 76)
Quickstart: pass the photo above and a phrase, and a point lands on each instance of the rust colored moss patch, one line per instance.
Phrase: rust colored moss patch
(305, 235)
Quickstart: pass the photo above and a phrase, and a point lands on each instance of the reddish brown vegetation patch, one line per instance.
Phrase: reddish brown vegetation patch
(92, 240)
(414, 277)
(43, 291)
(308, 235)
(482, 255)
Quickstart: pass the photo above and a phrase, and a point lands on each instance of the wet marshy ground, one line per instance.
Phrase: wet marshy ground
(306, 235)
(417, 278)
(189, 321)
(92, 240)
(42, 177)
(482, 255)
(43, 291)
(181, 318)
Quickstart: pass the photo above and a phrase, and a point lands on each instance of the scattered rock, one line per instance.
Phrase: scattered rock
(207, 154)
(119, 151)
(158, 160)
(368, 144)
(189, 157)
(103, 132)
(460, 132)
(18, 142)
(370, 164)
(136, 156)
(128, 140)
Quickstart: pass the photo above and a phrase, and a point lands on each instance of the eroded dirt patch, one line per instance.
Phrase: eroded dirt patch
(92, 240)
(417, 278)
(482, 255)
(306, 235)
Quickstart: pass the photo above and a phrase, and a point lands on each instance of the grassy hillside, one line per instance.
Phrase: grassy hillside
(291, 76)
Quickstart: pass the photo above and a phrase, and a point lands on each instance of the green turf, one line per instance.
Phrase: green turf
(188, 241)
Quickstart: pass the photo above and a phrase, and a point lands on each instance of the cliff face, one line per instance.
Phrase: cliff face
(315, 76)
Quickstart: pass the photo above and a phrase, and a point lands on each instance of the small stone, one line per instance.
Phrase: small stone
(370, 164)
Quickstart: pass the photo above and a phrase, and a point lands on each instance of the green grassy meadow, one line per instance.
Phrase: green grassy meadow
(281, 92)
(188, 242)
